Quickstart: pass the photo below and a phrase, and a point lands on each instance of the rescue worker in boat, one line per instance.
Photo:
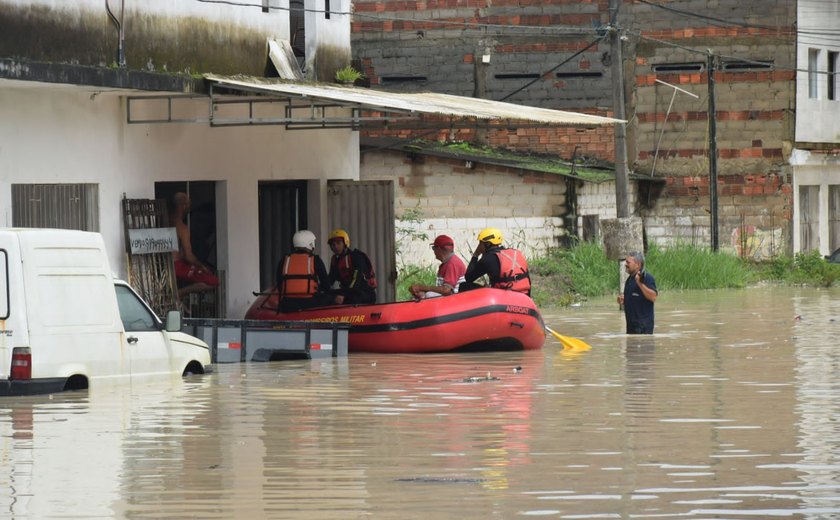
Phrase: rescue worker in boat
(302, 278)
(505, 267)
(450, 273)
(353, 271)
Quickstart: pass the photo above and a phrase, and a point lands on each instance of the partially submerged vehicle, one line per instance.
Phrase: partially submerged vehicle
(66, 323)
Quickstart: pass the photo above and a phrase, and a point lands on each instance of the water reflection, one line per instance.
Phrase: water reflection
(730, 410)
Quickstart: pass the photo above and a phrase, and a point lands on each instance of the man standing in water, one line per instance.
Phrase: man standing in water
(639, 295)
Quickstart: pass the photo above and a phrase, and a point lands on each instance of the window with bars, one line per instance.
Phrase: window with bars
(61, 206)
(809, 218)
(833, 217)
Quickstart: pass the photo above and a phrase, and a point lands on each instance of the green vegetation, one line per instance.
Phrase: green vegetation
(803, 269)
(409, 275)
(688, 267)
(348, 75)
(566, 276)
(511, 159)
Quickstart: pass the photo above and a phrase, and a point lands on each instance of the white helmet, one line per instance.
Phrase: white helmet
(305, 239)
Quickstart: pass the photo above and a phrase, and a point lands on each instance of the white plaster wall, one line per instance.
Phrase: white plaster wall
(321, 31)
(820, 170)
(275, 22)
(54, 134)
(817, 120)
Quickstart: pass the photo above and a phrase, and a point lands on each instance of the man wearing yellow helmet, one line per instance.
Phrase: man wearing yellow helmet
(353, 271)
(506, 268)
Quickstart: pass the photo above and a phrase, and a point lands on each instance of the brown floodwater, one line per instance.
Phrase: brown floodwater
(731, 410)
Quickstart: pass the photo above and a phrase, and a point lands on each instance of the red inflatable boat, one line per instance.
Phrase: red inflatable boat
(478, 320)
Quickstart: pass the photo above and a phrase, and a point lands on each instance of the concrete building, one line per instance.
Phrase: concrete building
(774, 62)
(101, 103)
(72, 148)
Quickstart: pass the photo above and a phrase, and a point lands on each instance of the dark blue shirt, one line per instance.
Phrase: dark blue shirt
(638, 310)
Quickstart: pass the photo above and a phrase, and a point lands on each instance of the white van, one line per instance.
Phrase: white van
(65, 322)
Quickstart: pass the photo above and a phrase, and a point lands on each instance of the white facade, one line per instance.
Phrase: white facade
(57, 134)
(817, 174)
(53, 133)
(817, 79)
(275, 22)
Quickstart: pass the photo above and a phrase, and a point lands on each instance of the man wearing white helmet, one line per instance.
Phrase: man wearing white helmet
(302, 276)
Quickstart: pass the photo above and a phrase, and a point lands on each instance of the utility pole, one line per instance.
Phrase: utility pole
(480, 63)
(713, 194)
(622, 205)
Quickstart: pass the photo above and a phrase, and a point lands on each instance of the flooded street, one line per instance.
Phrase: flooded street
(731, 410)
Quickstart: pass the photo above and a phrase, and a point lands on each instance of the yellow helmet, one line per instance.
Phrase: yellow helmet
(340, 233)
(491, 235)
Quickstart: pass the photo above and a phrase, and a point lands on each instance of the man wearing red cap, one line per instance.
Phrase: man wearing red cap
(449, 275)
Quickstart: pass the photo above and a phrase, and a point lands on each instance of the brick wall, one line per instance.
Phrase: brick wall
(753, 118)
(754, 107)
(414, 54)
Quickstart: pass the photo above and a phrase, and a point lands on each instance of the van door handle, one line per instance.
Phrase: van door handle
(132, 340)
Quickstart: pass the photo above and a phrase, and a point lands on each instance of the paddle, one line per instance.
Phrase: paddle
(569, 343)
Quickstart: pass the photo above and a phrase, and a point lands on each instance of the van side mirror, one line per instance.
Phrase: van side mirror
(173, 321)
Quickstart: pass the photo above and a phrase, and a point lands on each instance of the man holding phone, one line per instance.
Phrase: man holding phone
(639, 295)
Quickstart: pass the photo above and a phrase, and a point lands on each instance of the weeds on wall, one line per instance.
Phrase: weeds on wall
(407, 227)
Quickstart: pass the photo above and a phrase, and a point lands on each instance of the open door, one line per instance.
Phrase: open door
(365, 209)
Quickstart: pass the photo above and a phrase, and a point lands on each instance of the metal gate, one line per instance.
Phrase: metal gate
(809, 218)
(833, 218)
(152, 274)
(365, 210)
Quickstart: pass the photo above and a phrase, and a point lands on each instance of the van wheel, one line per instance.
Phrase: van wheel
(193, 368)
(76, 382)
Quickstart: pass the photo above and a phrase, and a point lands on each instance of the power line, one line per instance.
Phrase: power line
(706, 17)
(567, 60)
(705, 52)
(536, 31)
(565, 29)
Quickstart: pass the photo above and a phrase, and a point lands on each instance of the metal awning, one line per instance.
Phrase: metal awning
(237, 101)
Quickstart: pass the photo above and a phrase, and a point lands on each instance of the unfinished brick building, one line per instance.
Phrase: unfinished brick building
(554, 54)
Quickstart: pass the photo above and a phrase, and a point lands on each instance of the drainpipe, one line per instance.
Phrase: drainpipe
(571, 223)
(118, 23)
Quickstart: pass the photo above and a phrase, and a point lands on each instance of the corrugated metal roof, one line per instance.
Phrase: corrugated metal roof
(424, 103)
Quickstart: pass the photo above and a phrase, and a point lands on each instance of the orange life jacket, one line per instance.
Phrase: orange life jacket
(513, 271)
(298, 278)
(346, 269)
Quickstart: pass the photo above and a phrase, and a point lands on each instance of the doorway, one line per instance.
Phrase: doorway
(282, 212)
(201, 219)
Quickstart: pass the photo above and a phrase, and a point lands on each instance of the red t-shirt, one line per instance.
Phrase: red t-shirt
(451, 272)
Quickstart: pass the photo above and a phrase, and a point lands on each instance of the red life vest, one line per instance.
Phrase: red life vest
(346, 270)
(297, 277)
(513, 271)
